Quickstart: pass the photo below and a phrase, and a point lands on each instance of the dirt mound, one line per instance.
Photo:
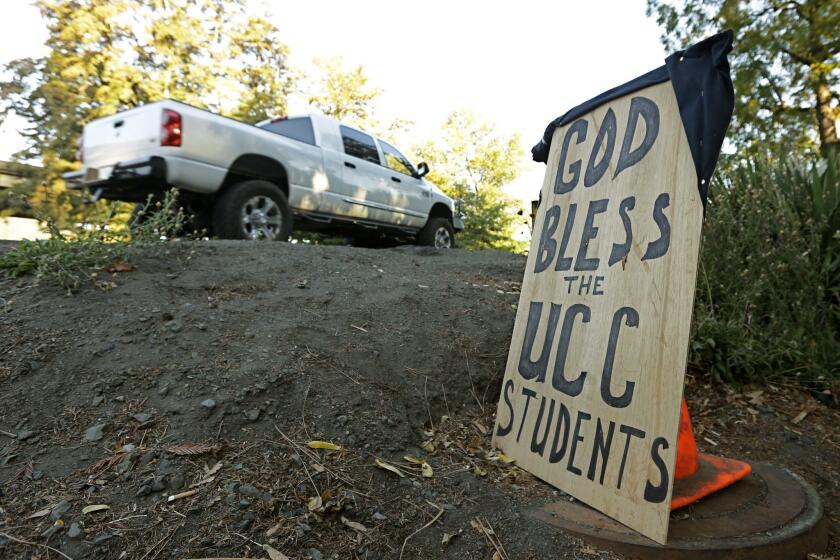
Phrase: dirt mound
(210, 369)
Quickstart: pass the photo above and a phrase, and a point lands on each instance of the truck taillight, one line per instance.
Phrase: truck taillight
(170, 128)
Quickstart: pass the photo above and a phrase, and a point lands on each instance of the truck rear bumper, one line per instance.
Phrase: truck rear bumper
(131, 181)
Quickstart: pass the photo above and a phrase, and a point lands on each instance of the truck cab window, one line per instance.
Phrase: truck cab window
(360, 145)
(296, 129)
(395, 160)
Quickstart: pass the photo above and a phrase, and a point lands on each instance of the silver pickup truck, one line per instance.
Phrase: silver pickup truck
(241, 181)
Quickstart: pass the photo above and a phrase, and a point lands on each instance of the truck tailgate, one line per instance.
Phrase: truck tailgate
(122, 137)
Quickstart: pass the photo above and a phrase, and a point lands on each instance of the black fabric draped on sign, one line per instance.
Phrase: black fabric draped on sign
(703, 87)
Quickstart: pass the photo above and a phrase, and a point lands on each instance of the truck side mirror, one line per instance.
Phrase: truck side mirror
(422, 169)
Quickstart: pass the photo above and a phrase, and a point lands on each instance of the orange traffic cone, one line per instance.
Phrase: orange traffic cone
(696, 474)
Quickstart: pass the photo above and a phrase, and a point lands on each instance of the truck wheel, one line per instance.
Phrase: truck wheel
(253, 210)
(437, 233)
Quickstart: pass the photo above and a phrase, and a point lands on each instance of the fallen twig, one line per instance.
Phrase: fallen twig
(426, 401)
(11, 538)
(302, 462)
(160, 542)
(316, 459)
(427, 525)
(472, 385)
(491, 537)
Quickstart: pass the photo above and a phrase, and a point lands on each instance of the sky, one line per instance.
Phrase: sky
(519, 64)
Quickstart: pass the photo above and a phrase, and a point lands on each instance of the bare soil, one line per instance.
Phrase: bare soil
(209, 369)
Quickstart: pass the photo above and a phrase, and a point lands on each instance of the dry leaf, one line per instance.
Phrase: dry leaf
(106, 464)
(496, 455)
(353, 525)
(192, 449)
(208, 474)
(588, 550)
(480, 427)
(428, 446)
(314, 504)
(413, 459)
(809, 408)
(273, 553)
(207, 480)
(755, 396)
(506, 459)
(800, 417)
(273, 531)
(447, 537)
(315, 444)
(426, 470)
(479, 471)
(120, 266)
(317, 467)
(92, 509)
(383, 465)
(39, 513)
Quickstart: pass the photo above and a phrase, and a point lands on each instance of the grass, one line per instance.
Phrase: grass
(71, 256)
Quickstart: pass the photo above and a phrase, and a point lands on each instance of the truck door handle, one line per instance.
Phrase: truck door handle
(350, 165)
(396, 179)
(119, 124)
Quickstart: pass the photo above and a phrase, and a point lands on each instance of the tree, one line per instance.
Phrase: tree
(785, 66)
(344, 94)
(471, 161)
(106, 56)
(348, 95)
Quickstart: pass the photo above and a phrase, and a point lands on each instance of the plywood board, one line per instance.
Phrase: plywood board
(591, 397)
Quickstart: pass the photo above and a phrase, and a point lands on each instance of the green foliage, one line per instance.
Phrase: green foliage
(768, 293)
(785, 66)
(344, 94)
(348, 95)
(69, 256)
(106, 56)
(471, 161)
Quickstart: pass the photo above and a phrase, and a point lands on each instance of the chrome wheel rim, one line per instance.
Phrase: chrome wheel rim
(261, 218)
(443, 239)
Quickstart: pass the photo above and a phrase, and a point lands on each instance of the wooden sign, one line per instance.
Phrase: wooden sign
(591, 397)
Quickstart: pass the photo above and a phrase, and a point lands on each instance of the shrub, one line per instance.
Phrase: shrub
(70, 255)
(768, 290)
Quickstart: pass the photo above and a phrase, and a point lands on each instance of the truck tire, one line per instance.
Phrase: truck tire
(437, 233)
(253, 209)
